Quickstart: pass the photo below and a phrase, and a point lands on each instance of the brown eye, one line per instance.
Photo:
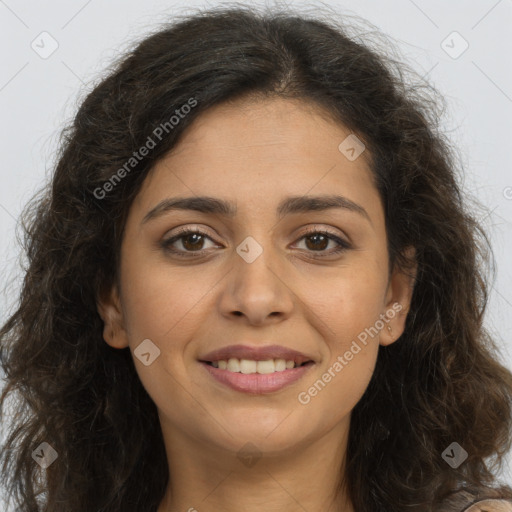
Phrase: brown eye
(192, 241)
(317, 241)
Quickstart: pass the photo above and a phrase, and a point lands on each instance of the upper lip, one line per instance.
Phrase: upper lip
(256, 354)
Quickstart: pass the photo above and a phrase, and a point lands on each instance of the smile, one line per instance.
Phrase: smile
(256, 370)
(242, 378)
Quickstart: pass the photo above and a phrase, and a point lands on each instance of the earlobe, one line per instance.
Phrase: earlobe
(110, 311)
(395, 327)
(400, 290)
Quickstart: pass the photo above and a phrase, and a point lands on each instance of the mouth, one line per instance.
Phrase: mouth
(256, 370)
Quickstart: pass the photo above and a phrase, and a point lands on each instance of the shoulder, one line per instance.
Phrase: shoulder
(485, 500)
(491, 505)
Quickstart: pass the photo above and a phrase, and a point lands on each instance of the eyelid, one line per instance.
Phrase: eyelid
(315, 228)
(187, 228)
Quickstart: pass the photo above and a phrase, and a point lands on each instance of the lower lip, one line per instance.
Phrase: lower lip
(257, 383)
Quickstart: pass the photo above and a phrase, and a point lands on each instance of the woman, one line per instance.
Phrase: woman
(253, 283)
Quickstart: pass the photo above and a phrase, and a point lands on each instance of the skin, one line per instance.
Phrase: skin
(491, 506)
(255, 153)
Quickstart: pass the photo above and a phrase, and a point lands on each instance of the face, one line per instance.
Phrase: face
(309, 279)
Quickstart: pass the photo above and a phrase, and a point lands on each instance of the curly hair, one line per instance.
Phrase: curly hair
(442, 382)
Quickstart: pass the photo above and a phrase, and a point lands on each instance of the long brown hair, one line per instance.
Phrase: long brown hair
(442, 382)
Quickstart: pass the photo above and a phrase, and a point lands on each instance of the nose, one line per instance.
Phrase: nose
(257, 291)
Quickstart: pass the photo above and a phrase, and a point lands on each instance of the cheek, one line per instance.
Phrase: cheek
(163, 308)
(353, 310)
(349, 301)
(159, 303)
(331, 396)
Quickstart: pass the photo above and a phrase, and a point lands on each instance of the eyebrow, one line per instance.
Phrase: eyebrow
(290, 205)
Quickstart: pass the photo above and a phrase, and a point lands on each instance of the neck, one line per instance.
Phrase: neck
(207, 478)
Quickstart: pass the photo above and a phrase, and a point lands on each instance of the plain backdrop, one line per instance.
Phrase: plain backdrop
(462, 47)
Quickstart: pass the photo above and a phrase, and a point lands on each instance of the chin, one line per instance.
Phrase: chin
(271, 431)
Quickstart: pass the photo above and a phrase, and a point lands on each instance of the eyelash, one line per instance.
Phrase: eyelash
(166, 244)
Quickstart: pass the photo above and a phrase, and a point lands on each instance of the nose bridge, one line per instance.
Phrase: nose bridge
(256, 288)
(253, 265)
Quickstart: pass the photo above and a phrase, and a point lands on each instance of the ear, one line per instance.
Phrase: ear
(398, 299)
(109, 308)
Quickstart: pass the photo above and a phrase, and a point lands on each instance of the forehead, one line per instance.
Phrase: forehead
(270, 127)
(259, 150)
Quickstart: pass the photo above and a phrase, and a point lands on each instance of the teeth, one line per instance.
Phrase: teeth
(280, 365)
(266, 366)
(233, 365)
(248, 366)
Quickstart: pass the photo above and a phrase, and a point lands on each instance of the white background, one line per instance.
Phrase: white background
(38, 96)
